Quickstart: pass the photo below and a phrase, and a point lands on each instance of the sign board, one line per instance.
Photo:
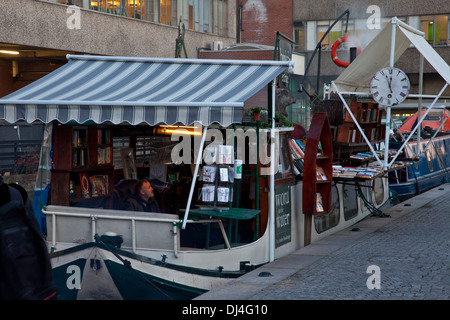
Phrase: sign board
(282, 214)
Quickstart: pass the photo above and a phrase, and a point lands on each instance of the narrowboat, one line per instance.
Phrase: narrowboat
(234, 194)
(429, 154)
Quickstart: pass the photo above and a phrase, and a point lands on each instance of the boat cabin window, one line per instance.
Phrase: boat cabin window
(440, 157)
(429, 160)
(329, 220)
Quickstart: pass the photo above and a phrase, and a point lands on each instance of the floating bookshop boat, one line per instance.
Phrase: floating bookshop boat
(201, 240)
(113, 120)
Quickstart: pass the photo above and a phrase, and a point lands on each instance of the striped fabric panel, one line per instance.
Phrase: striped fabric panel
(133, 115)
(133, 90)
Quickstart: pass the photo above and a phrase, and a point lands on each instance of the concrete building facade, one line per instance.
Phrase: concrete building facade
(44, 31)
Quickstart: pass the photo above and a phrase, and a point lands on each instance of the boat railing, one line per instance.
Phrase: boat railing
(150, 230)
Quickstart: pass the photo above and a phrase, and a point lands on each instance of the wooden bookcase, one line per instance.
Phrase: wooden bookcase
(349, 138)
(82, 164)
(318, 167)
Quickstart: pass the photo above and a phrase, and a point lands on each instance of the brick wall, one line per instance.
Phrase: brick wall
(262, 19)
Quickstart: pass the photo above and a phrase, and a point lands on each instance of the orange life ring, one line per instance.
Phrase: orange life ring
(337, 43)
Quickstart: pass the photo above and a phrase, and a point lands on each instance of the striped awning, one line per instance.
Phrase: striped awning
(142, 90)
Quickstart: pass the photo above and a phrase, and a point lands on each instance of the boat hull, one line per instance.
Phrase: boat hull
(93, 270)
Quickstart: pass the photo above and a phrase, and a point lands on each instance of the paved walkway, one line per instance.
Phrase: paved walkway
(408, 256)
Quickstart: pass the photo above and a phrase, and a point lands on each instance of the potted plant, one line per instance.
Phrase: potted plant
(255, 112)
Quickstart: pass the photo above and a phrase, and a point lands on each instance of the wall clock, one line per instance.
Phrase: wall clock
(389, 86)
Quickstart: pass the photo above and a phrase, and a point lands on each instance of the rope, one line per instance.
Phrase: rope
(127, 264)
(374, 211)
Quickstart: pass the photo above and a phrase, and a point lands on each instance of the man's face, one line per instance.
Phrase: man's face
(147, 191)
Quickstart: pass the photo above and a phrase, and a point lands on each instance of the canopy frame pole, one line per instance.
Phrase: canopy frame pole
(272, 180)
(194, 177)
(388, 108)
(420, 101)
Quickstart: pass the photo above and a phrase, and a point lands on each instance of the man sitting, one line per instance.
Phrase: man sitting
(143, 199)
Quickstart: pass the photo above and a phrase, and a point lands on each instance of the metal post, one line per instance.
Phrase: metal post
(419, 111)
(272, 183)
(194, 178)
(388, 108)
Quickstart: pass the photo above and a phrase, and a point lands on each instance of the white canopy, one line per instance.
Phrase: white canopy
(377, 54)
(383, 51)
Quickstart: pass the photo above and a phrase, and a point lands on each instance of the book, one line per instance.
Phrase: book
(319, 149)
(78, 157)
(225, 154)
(319, 203)
(85, 187)
(320, 174)
(209, 173)
(98, 185)
(103, 155)
(223, 174)
(93, 186)
(300, 144)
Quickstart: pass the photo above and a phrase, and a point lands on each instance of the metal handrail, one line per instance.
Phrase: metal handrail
(132, 219)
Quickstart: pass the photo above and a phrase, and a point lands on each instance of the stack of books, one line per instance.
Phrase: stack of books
(356, 172)
(297, 149)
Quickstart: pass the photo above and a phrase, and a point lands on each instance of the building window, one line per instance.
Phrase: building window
(166, 12)
(322, 27)
(436, 29)
(209, 16)
(300, 36)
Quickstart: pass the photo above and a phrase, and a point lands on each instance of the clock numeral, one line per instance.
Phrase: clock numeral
(405, 87)
(404, 79)
(403, 94)
(376, 94)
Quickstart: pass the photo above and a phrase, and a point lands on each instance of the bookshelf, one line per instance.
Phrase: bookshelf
(82, 164)
(349, 139)
(318, 167)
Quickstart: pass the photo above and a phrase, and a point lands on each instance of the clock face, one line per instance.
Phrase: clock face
(389, 86)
